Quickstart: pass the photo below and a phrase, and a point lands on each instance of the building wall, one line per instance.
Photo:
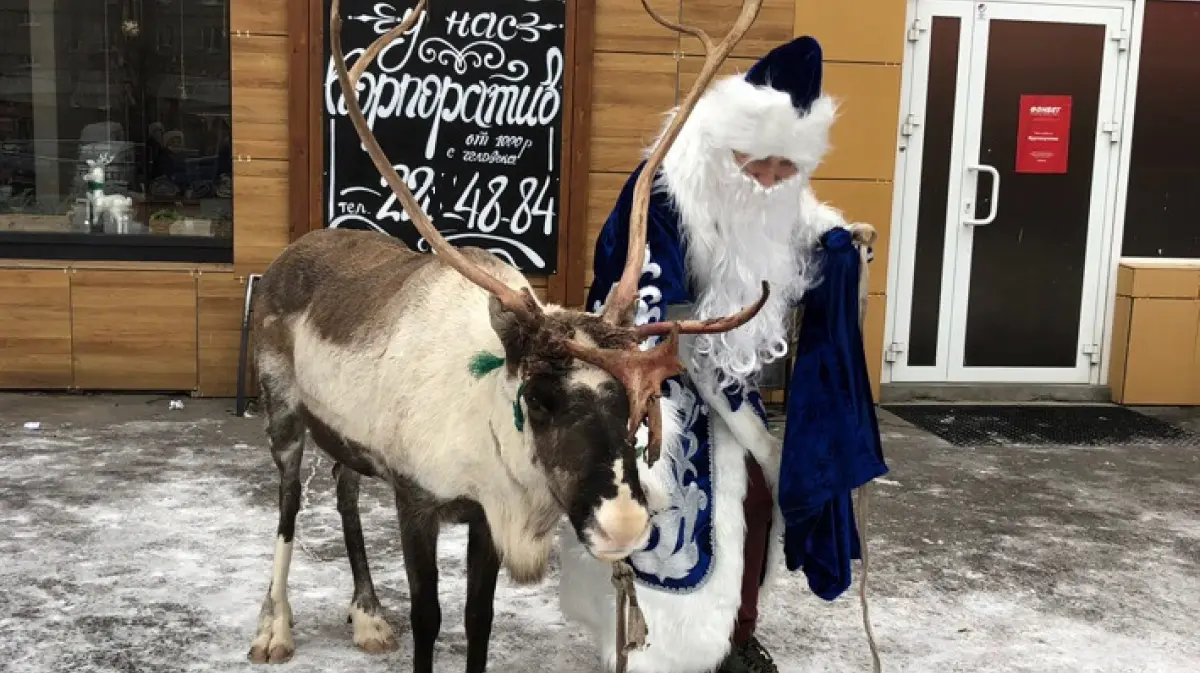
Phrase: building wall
(162, 326)
(165, 326)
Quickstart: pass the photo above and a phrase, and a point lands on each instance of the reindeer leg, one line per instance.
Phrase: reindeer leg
(372, 633)
(273, 643)
(418, 537)
(483, 568)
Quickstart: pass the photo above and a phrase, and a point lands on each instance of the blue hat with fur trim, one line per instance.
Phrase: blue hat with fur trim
(794, 68)
(775, 109)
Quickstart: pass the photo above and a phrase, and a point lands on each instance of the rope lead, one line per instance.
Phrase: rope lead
(631, 623)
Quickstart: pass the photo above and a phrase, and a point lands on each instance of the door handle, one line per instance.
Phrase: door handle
(995, 195)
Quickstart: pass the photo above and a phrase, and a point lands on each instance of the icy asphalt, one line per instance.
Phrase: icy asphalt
(134, 537)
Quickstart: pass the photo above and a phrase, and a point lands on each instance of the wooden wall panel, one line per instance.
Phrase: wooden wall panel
(626, 27)
(772, 28)
(630, 93)
(260, 213)
(261, 17)
(689, 70)
(869, 202)
(864, 137)
(865, 31)
(35, 328)
(541, 286)
(220, 298)
(260, 96)
(603, 190)
(134, 330)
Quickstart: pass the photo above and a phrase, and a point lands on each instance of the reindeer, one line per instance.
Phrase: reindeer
(445, 377)
(115, 206)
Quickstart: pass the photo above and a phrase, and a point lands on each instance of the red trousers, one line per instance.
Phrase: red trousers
(758, 508)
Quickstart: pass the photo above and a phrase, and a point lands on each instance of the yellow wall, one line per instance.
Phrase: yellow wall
(176, 326)
(863, 42)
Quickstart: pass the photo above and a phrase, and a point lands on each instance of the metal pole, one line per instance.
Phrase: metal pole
(242, 349)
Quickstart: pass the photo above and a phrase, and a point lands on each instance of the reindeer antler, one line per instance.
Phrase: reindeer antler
(641, 372)
(644, 372)
(619, 308)
(522, 303)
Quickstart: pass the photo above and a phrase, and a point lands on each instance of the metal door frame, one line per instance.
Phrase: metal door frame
(1107, 213)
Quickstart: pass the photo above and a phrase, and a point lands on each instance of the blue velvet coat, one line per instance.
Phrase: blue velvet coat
(831, 444)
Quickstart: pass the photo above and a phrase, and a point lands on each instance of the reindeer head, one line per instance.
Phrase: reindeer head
(95, 172)
(583, 378)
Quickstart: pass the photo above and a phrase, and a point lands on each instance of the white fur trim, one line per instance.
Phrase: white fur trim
(760, 121)
(654, 482)
(688, 633)
(750, 432)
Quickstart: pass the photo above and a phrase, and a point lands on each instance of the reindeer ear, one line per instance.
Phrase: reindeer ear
(512, 332)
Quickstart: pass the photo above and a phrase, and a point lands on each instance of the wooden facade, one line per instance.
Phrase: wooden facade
(175, 327)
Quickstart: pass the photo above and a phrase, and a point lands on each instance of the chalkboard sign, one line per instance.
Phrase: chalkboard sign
(468, 106)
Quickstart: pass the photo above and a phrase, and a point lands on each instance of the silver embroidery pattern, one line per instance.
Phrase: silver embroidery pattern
(685, 503)
(649, 297)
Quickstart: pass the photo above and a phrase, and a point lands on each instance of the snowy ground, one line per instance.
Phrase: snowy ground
(135, 538)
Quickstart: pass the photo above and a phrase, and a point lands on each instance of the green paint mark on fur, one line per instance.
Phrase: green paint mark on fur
(484, 363)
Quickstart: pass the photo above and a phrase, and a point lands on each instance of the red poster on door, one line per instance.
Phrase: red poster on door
(1043, 134)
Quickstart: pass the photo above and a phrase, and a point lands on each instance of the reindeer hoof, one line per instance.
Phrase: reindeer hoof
(372, 633)
(273, 644)
(378, 645)
(273, 654)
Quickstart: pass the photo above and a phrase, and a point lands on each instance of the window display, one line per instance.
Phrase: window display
(115, 136)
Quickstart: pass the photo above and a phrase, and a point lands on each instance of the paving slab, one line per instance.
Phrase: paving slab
(135, 537)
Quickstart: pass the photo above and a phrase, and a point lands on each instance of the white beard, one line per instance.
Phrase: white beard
(737, 235)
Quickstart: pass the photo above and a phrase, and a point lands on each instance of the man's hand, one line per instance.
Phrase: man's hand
(864, 237)
(864, 234)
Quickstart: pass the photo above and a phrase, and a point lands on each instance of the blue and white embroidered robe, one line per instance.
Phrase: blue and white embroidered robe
(689, 576)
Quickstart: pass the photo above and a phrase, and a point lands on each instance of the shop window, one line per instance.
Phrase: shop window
(115, 136)
(1162, 215)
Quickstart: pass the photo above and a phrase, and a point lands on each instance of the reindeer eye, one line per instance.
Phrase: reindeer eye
(535, 405)
(540, 399)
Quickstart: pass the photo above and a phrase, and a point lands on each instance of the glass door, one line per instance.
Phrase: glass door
(1009, 182)
(933, 133)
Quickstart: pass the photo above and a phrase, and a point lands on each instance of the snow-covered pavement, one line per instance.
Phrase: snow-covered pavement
(137, 538)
